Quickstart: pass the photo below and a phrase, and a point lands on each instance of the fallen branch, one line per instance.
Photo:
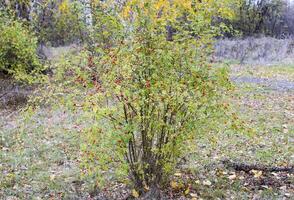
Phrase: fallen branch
(248, 167)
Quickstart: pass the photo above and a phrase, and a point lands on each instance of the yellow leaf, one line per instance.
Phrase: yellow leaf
(64, 6)
(224, 173)
(52, 177)
(178, 174)
(146, 187)
(256, 173)
(187, 191)
(174, 184)
(135, 193)
(126, 12)
(95, 109)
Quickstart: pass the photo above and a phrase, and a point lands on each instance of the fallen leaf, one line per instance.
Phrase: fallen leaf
(285, 130)
(207, 182)
(146, 187)
(233, 176)
(193, 195)
(95, 109)
(178, 174)
(275, 174)
(284, 188)
(52, 177)
(265, 186)
(225, 173)
(287, 195)
(174, 184)
(187, 191)
(135, 193)
(256, 173)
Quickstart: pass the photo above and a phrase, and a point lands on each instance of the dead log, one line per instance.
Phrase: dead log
(248, 167)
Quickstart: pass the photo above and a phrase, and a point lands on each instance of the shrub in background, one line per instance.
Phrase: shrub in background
(18, 48)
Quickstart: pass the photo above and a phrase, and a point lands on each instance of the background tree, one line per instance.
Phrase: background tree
(59, 22)
(21, 8)
(56, 22)
(264, 17)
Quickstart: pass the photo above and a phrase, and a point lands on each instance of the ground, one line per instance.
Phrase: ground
(40, 155)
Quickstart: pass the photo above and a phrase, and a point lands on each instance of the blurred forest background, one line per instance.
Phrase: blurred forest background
(60, 23)
(65, 22)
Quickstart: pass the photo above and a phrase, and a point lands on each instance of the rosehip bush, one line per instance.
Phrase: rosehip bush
(149, 94)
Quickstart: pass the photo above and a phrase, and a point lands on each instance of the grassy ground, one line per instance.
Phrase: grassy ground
(264, 98)
(40, 156)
